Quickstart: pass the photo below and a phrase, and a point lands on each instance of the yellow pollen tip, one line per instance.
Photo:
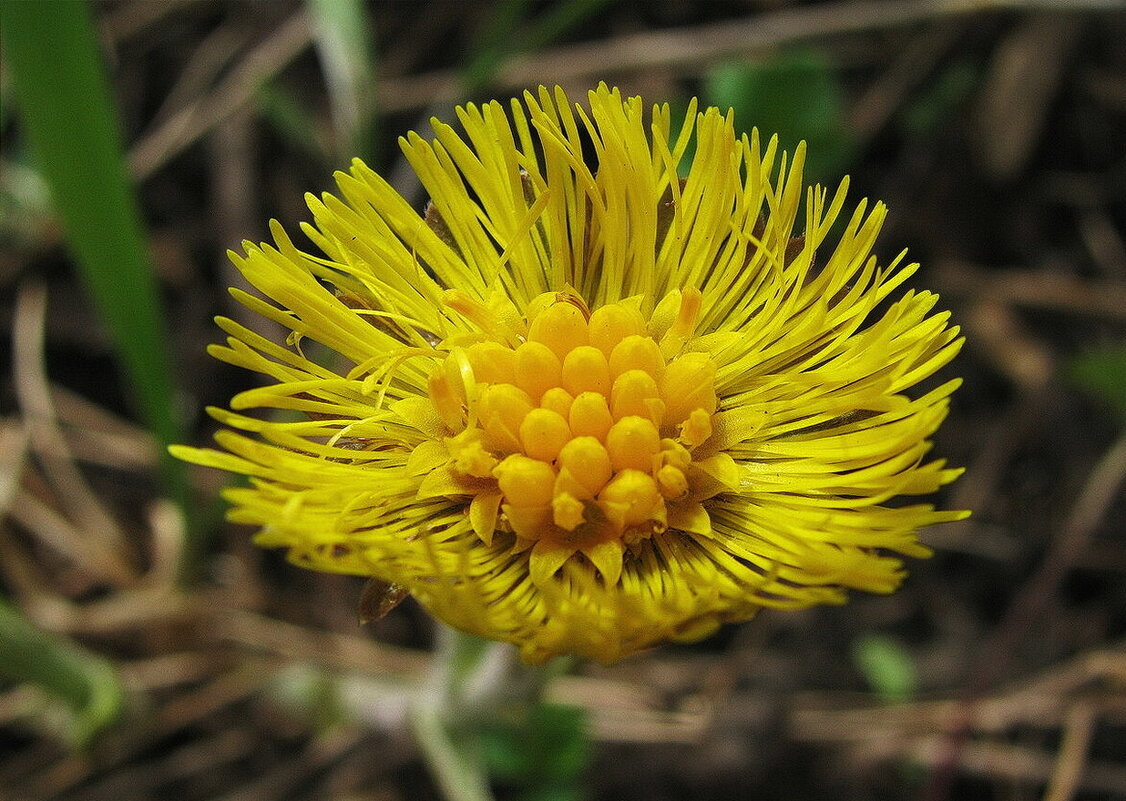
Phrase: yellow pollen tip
(469, 455)
(473, 310)
(637, 353)
(492, 362)
(446, 401)
(689, 384)
(675, 454)
(696, 429)
(684, 325)
(559, 401)
(691, 300)
(501, 410)
(672, 482)
(567, 511)
(538, 304)
(590, 416)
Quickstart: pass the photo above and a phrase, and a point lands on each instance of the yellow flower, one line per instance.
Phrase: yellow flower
(589, 409)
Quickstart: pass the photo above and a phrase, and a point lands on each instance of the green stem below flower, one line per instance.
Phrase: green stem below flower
(465, 687)
(459, 776)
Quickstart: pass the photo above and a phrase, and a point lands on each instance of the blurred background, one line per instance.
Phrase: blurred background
(145, 654)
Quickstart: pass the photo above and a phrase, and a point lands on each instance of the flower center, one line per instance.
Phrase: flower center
(587, 424)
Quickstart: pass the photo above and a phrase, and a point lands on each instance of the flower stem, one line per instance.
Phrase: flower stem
(466, 684)
(459, 777)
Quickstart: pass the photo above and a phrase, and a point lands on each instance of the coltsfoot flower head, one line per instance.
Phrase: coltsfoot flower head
(589, 408)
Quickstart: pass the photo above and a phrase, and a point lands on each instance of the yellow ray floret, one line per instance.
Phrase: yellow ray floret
(589, 407)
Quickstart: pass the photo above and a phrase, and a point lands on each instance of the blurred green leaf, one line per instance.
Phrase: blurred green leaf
(279, 108)
(342, 32)
(463, 654)
(794, 94)
(543, 750)
(86, 684)
(503, 37)
(557, 21)
(309, 692)
(1102, 373)
(886, 665)
(941, 99)
(495, 45)
(64, 103)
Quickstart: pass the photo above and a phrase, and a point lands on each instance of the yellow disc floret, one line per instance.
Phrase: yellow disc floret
(544, 433)
(590, 416)
(585, 422)
(588, 461)
(633, 442)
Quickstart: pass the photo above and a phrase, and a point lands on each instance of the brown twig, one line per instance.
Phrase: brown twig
(684, 48)
(1044, 701)
(208, 60)
(13, 452)
(1014, 351)
(879, 103)
(1070, 697)
(1044, 290)
(1072, 756)
(688, 48)
(233, 93)
(129, 19)
(97, 436)
(102, 540)
(1030, 603)
(296, 642)
(76, 546)
(1018, 763)
(1104, 242)
(1018, 90)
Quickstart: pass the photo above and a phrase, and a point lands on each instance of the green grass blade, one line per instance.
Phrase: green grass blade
(557, 21)
(495, 45)
(1102, 373)
(86, 684)
(68, 119)
(503, 37)
(343, 35)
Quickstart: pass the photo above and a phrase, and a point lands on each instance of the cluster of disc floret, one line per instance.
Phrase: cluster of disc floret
(583, 428)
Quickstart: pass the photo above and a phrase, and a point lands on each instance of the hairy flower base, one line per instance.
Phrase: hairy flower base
(586, 410)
